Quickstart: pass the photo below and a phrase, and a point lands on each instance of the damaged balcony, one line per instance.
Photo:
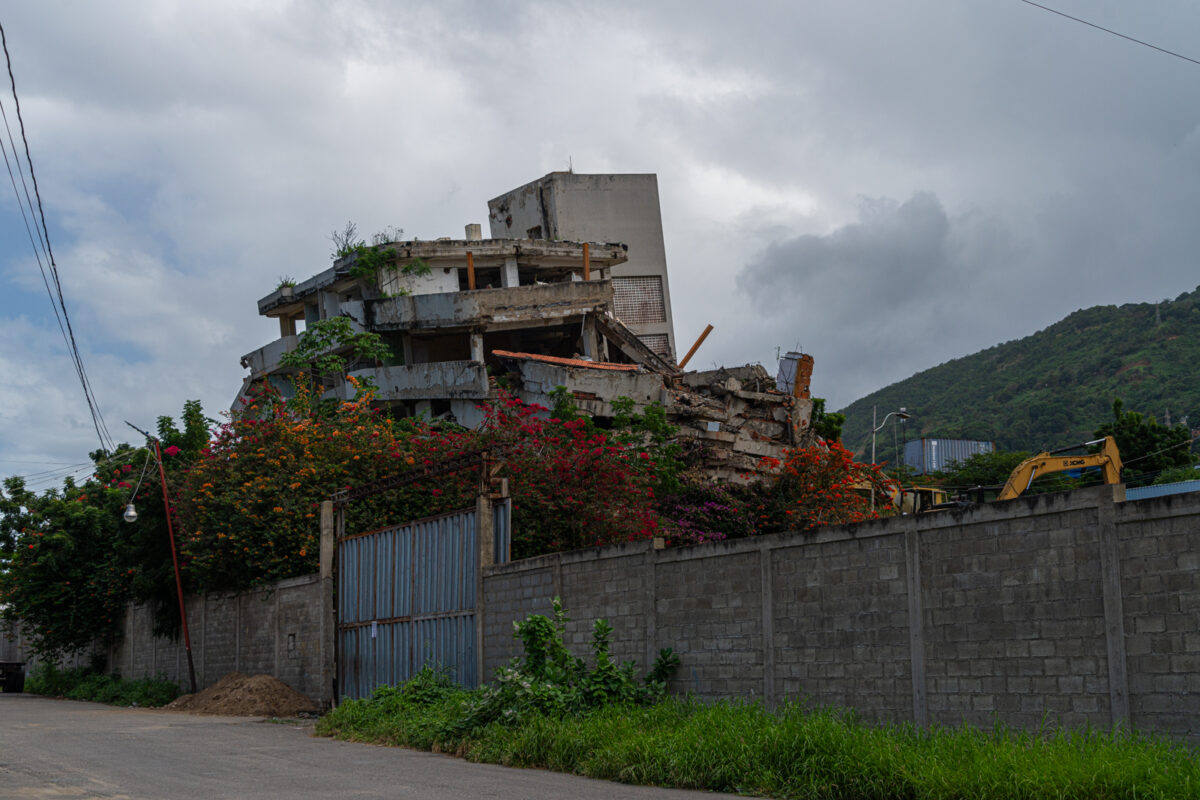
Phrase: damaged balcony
(517, 306)
(504, 263)
(265, 360)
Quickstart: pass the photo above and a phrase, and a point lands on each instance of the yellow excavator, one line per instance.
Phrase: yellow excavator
(1108, 459)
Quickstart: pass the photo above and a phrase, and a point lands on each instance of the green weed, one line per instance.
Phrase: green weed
(550, 711)
(792, 752)
(80, 683)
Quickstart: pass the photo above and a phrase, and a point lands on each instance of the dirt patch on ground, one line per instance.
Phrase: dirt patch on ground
(237, 695)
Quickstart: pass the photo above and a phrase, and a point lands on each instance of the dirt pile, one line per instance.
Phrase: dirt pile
(237, 695)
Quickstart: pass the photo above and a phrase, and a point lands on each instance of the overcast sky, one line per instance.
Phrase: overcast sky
(883, 185)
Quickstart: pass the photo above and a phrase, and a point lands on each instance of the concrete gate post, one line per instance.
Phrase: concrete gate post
(328, 614)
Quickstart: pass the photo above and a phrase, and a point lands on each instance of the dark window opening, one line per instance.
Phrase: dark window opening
(485, 278)
(447, 347)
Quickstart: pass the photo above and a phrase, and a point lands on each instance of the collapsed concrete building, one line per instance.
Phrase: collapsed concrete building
(538, 313)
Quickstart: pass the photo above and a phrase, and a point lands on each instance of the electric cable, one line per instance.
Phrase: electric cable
(106, 441)
(1107, 30)
(138, 485)
(57, 471)
(1160, 452)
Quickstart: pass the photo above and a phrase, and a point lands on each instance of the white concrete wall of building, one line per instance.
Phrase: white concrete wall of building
(594, 208)
(438, 281)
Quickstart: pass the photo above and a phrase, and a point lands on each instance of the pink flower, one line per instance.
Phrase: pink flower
(172, 450)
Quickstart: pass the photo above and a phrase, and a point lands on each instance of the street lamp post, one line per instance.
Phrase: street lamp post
(901, 413)
(130, 515)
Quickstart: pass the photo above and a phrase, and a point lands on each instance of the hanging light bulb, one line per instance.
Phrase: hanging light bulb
(130, 514)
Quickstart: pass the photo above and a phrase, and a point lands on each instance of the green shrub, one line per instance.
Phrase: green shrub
(431, 712)
(552, 682)
(80, 683)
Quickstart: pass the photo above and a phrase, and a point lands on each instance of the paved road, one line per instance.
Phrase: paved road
(61, 748)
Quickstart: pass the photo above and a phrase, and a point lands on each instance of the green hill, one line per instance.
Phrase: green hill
(1053, 388)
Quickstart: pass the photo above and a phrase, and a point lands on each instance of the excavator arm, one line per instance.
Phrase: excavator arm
(1108, 459)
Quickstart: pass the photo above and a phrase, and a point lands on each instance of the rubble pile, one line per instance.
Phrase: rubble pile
(739, 414)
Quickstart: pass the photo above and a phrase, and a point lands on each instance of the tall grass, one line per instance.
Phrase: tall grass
(80, 683)
(791, 752)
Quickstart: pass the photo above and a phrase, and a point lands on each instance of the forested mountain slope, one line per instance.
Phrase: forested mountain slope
(1053, 388)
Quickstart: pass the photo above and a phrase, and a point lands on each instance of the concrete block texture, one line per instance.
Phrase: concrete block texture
(1159, 550)
(844, 639)
(275, 630)
(998, 612)
(720, 644)
(1032, 626)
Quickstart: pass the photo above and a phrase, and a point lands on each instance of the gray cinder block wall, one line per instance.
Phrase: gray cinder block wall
(284, 630)
(277, 631)
(1075, 608)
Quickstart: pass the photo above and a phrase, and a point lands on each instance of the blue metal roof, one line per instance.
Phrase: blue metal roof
(1161, 490)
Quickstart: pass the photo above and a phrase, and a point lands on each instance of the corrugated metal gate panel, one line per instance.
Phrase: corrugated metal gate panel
(406, 599)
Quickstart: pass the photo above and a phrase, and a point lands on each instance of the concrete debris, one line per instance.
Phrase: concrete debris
(741, 416)
(735, 411)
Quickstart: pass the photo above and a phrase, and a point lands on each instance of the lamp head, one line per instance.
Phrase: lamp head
(130, 514)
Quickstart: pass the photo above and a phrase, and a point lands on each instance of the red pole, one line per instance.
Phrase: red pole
(187, 640)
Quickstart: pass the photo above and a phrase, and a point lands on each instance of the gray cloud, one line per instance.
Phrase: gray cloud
(897, 288)
(1017, 167)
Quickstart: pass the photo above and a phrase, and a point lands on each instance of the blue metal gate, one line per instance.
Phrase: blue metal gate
(407, 599)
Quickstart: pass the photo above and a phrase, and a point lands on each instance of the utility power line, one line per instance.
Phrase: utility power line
(42, 248)
(1108, 30)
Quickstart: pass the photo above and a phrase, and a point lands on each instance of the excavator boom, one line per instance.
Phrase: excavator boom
(1108, 459)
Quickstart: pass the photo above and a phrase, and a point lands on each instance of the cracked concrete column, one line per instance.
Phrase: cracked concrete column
(508, 273)
(591, 343)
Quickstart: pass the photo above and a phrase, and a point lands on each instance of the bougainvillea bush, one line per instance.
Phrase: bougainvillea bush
(572, 486)
(820, 484)
(250, 504)
(247, 500)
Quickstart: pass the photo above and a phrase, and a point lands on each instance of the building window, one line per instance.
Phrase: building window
(639, 300)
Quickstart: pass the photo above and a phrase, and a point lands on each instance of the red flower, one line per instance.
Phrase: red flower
(172, 450)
